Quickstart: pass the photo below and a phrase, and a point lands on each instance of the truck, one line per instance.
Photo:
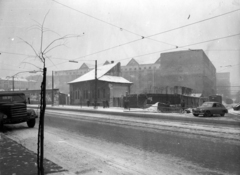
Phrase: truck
(13, 109)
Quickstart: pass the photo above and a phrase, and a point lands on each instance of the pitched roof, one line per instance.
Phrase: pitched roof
(86, 66)
(132, 62)
(106, 62)
(102, 70)
(114, 79)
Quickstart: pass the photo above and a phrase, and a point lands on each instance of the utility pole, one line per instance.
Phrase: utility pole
(95, 101)
(52, 89)
(13, 83)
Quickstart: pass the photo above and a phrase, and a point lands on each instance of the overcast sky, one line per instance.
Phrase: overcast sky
(105, 24)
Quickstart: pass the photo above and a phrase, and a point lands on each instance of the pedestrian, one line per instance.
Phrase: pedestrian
(127, 104)
(28, 100)
(107, 104)
(103, 103)
(183, 106)
(88, 103)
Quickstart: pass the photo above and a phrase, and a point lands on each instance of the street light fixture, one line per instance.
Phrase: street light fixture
(73, 61)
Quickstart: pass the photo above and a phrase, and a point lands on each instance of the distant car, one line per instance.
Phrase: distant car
(236, 107)
(207, 109)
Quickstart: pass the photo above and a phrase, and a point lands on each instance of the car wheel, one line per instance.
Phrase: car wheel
(31, 123)
(207, 114)
(222, 114)
(195, 115)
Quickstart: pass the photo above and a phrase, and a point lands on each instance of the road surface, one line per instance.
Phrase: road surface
(91, 145)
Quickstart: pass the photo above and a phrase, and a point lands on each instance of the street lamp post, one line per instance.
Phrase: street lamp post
(52, 89)
(95, 104)
(13, 83)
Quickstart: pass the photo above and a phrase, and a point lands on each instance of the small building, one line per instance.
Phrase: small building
(111, 87)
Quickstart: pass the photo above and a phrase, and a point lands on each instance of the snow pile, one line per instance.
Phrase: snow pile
(153, 108)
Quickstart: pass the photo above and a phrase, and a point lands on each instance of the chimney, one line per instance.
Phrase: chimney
(112, 62)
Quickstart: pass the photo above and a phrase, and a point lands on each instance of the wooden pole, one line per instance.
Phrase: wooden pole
(52, 89)
(95, 101)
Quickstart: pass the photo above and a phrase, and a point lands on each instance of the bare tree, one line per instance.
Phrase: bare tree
(42, 55)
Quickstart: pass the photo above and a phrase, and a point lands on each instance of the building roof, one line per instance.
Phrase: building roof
(106, 62)
(114, 79)
(15, 79)
(101, 71)
(85, 66)
(132, 62)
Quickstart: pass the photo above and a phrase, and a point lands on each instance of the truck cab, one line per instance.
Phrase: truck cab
(13, 109)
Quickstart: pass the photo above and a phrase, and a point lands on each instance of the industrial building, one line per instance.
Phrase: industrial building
(191, 69)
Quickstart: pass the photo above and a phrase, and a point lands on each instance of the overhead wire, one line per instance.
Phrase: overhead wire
(173, 48)
(113, 25)
(181, 46)
(150, 35)
(129, 41)
(21, 54)
(187, 25)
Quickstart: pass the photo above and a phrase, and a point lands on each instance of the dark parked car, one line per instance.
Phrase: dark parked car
(236, 107)
(209, 108)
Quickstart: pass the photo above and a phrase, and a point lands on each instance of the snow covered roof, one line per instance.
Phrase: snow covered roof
(15, 79)
(114, 79)
(101, 71)
(196, 95)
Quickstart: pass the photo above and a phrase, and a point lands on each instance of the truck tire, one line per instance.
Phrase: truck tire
(31, 123)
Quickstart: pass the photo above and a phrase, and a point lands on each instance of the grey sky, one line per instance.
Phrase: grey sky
(143, 17)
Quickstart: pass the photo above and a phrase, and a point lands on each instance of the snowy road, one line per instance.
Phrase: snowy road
(101, 144)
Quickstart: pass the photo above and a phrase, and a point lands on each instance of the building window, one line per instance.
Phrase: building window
(93, 94)
(103, 93)
(98, 91)
(85, 94)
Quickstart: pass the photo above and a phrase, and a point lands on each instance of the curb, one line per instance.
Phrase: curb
(161, 116)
